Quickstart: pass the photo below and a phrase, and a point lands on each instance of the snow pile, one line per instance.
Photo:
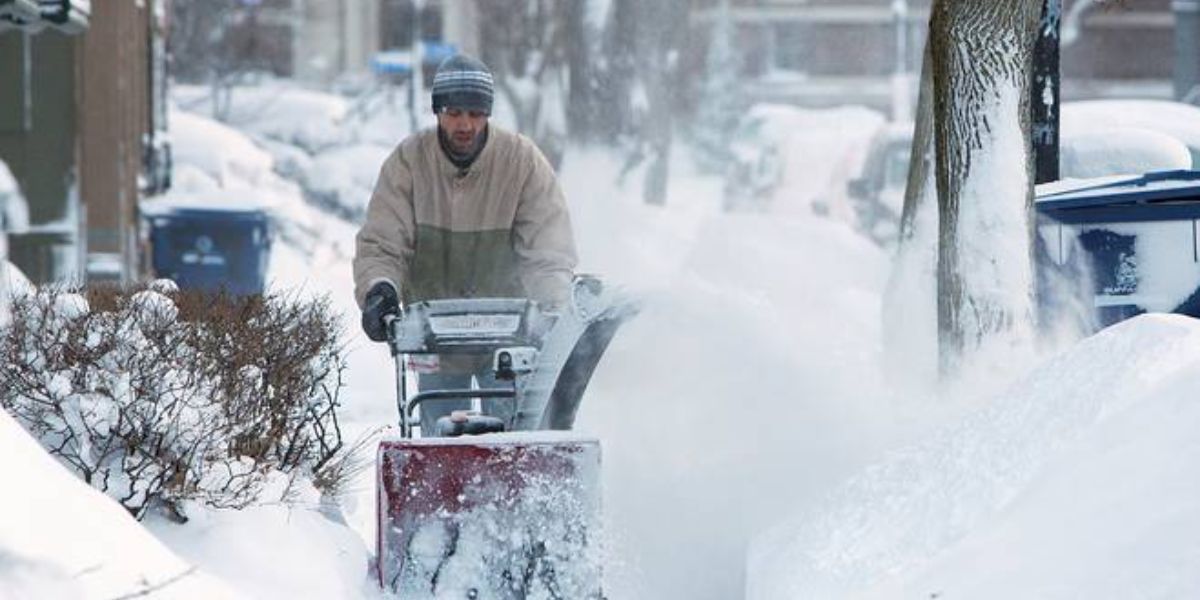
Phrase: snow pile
(209, 155)
(276, 110)
(60, 539)
(298, 550)
(1176, 119)
(1079, 481)
(14, 211)
(1101, 151)
(332, 146)
(220, 167)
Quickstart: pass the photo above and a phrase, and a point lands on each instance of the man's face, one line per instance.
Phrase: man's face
(462, 128)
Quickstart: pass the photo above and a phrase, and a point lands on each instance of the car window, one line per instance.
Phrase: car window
(896, 167)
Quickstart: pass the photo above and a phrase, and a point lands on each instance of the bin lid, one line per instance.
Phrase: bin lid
(205, 206)
(1161, 196)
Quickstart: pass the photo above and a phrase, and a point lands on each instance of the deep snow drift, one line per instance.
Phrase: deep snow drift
(61, 539)
(1077, 482)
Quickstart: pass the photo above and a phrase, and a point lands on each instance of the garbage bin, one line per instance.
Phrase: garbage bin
(1139, 236)
(211, 248)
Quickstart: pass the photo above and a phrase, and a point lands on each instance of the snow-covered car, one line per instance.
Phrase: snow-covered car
(1179, 120)
(791, 160)
(1099, 138)
(877, 194)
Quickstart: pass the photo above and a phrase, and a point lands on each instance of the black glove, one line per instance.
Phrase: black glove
(381, 301)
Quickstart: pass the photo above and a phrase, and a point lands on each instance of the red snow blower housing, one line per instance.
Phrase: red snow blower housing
(505, 505)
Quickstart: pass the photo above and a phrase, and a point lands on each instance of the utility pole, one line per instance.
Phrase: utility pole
(1187, 50)
(1045, 104)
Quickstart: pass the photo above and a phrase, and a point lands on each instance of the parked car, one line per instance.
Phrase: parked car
(787, 159)
(877, 193)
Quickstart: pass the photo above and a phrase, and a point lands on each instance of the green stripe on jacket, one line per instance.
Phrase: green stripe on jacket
(463, 264)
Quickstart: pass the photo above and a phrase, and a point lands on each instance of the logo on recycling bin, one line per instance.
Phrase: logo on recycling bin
(204, 244)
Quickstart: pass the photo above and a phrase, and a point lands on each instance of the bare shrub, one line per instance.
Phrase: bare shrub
(157, 396)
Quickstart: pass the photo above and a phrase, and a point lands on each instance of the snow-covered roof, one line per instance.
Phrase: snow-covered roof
(8, 183)
(1179, 120)
(1103, 151)
(14, 212)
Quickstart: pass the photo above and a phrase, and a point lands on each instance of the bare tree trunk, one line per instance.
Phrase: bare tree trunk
(981, 52)
(582, 50)
(526, 49)
(663, 27)
(921, 183)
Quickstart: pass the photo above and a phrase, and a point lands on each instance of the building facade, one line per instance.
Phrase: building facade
(828, 52)
(82, 128)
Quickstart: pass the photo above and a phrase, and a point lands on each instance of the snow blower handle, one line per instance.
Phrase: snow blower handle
(392, 323)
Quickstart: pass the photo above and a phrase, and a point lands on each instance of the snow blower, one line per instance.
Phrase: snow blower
(503, 506)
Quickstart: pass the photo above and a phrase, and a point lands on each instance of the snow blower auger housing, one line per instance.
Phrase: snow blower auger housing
(489, 507)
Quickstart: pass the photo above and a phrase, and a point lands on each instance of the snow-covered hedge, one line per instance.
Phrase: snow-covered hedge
(157, 396)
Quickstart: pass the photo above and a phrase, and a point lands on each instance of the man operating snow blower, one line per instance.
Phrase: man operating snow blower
(467, 257)
(466, 210)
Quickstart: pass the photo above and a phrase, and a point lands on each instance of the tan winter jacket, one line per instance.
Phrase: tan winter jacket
(497, 229)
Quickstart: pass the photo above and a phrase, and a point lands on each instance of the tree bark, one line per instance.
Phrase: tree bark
(582, 51)
(920, 185)
(981, 52)
(526, 48)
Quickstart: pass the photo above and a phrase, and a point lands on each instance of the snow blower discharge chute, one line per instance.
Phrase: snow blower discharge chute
(507, 505)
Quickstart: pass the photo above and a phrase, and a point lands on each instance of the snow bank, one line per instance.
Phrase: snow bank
(14, 211)
(62, 539)
(15, 282)
(274, 552)
(220, 167)
(1079, 481)
(224, 155)
(277, 110)
(1178, 120)
(1116, 150)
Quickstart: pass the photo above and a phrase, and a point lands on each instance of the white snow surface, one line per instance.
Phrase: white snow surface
(1179, 120)
(61, 539)
(1076, 482)
(221, 153)
(1101, 151)
(14, 211)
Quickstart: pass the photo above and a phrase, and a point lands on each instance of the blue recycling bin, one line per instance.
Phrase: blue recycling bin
(211, 249)
(1137, 238)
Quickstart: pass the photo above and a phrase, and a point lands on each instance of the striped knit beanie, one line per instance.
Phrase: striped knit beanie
(462, 82)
